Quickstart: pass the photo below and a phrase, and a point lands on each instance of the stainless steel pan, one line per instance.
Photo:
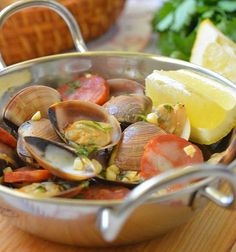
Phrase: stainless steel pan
(143, 214)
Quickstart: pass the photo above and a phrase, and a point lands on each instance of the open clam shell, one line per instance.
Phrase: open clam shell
(27, 102)
(174, 120)
(41, 128)
(65, 189)
(71, 192)
(66, 113)
(128, 153)
(129, 108)
(58, 158)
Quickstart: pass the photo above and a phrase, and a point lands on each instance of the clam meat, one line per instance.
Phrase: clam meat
(85, 124)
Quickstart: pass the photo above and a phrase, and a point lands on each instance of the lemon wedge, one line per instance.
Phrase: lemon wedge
(213, 50)
(210, 106)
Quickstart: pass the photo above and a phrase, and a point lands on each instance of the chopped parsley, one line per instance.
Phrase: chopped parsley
(102, 173)
(72, 86)
(83, 150)
(41, 188)
(168, 108)
(97, 125)
(142, 118)
(86, 184)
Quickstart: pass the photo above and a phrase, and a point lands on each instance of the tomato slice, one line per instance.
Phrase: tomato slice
(92, 88)
(103, 192)
(7, 138)
(25, 175)
(165, 152)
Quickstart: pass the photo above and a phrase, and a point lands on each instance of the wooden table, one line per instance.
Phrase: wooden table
(212, 230)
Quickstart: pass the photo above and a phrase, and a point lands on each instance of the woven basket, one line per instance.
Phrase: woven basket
(38, 32)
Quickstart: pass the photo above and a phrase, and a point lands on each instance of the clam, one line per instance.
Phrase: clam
(8, 156)
(27, 102)
(60, 160)
(172, 118)
(72, 192)
(84, 124)
(183, 127)
(64, 163)
(41, 128)
(228, 155)
(128, 153)
(124, 87)
(112, 175)
(129, 108)
(43, 189)
(63, 189)
(230, 152)
(102, 156)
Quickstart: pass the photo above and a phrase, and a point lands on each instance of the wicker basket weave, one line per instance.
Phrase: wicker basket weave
(38, 32)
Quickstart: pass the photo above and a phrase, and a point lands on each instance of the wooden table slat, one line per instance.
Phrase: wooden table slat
(213, 229)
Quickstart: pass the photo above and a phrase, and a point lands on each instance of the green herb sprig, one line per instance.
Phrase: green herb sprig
(83, 150)
(177, 22)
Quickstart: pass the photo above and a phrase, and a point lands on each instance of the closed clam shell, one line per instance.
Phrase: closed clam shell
(27, 102)
(129, 108)
(129, 151)
(65, 113)
(124, 86)
(41, 128)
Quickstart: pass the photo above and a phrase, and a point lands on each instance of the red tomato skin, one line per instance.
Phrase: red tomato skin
(93, 89)
(165, 152)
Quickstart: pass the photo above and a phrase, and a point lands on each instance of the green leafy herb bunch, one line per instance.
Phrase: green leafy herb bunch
(177, 23)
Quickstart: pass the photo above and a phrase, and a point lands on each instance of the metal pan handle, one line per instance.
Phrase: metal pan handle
(51, 4)
(111, 220)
